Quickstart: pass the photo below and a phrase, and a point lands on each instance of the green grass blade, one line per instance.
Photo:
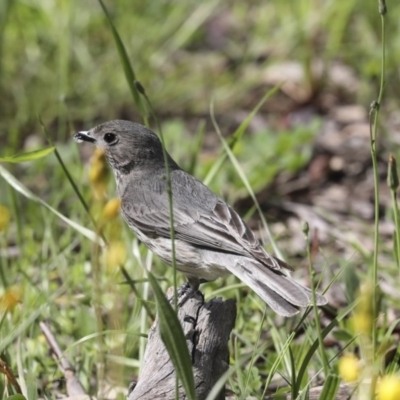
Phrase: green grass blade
(313, 348)
(283, 349)
(219, 385)
(174, 339)
(246, 183)
(19, 187)
(30, 156)
(330, 388)
(292, 373)
(126, 65)
(252, 361)
(237, 135)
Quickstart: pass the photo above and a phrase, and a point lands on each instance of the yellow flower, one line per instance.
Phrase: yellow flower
(115, 255)
(365, 298)
(98, 172)
(362, 323)
(389, 388)
(5, 217)
(111, 209)
(349, 368)
(363, 313)
(10, 298)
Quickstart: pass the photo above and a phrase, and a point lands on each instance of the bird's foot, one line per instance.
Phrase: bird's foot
(195, 284)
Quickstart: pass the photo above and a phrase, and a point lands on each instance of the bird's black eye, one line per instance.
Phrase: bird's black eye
(110, 138)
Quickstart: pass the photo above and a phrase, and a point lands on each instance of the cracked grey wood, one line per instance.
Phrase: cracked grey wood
(207, 328)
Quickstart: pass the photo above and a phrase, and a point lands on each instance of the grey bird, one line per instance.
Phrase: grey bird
(211, 240)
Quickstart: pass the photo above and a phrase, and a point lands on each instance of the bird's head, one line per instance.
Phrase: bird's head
(126, 144)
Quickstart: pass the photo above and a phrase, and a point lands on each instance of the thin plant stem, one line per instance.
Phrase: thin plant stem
(397, 227)
(314, 302)
(374, 119)
(97, 301)
(393, 184)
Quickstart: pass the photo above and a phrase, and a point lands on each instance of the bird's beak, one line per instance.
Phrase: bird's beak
(83, 136)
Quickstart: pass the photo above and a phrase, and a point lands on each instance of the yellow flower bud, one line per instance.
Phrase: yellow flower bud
(115, 255)
(362, 319)
(365, 298)
(111, 209)
(5, 217)
(392, 177)
(349, 368)
(98, 173)
(98, 155)
(389, 388)
(362, 323)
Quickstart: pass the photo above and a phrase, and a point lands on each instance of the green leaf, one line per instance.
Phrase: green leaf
(16, 397)
(352, 283)
(174, 339)
(30, 156)
(31, 386)
(343, 335)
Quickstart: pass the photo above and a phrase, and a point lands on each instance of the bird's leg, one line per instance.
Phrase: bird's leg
(184, 288)
(189, 287)
(194, 283)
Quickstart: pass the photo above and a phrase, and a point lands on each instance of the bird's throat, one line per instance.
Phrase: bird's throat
(127, 168)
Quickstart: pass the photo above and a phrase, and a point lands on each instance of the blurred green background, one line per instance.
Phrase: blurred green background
(59, 63)
(58, 59)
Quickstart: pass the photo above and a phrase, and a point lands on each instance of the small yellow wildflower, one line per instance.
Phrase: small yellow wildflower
(362, 323)
(365, 298)
(5, 217)
(115, 255)
(363, 313)
(389, 388)
(111, 209)
(349, 368)
(98, 172)
(10, 298)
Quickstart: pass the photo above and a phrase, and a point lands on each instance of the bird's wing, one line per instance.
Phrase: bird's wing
(200, 218)
(222, 229)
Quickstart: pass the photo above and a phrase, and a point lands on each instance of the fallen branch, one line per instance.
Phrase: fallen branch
(207, 327)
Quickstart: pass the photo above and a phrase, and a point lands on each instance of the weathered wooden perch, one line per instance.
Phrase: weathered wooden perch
(207, 327)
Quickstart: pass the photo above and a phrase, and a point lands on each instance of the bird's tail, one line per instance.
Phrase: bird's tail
(279, 291)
